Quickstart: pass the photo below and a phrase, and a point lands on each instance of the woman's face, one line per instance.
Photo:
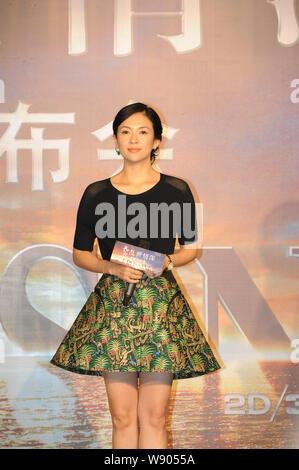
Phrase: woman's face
(135, 137)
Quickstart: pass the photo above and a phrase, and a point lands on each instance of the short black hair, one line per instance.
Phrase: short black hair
(133, 108)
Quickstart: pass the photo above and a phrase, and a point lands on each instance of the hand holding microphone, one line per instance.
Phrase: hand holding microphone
(123, 254)
(130, 275)
(126, 273)
(131, 286)
(128, 257)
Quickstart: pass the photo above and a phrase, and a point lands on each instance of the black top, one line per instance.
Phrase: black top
(109, 214)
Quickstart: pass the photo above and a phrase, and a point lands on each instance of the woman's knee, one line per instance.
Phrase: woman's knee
(154, 395)
(122, 419)
(155, 419)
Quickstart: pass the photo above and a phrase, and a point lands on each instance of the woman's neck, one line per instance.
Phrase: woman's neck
(132, 175)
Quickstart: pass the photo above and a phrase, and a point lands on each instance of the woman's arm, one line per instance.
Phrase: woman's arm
(179, 258)
(89, 260)
(184, 255)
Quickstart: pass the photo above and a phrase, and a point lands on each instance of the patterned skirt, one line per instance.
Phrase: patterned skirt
(155, 332)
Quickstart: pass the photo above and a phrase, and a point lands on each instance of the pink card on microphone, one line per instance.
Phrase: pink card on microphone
(137, 257)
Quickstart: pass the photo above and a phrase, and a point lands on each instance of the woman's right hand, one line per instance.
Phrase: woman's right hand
(126, 273)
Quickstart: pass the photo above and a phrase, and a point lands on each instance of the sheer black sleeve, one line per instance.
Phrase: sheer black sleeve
(189, 228)
(85, 224)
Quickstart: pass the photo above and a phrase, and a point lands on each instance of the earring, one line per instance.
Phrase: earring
(117, 151)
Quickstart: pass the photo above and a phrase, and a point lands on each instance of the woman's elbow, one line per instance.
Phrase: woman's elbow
(78, 256)
(192, 251)
(75, 258)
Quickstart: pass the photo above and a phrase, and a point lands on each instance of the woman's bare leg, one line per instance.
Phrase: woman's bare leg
(154, 394)
(122, 392)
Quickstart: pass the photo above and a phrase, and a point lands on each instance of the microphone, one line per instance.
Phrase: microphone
(131, 285)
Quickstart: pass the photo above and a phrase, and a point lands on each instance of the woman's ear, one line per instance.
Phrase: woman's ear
(157, 142)
(115, 141)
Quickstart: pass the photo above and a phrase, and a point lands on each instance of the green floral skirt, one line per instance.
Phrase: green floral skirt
(155, 332)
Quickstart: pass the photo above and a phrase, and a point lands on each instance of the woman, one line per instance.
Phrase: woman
(155, 338)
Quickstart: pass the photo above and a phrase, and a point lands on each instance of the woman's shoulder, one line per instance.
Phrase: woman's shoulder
(176, 182)
(95, 188)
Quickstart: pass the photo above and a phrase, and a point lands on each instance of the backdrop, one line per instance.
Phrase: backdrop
(223, 76)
